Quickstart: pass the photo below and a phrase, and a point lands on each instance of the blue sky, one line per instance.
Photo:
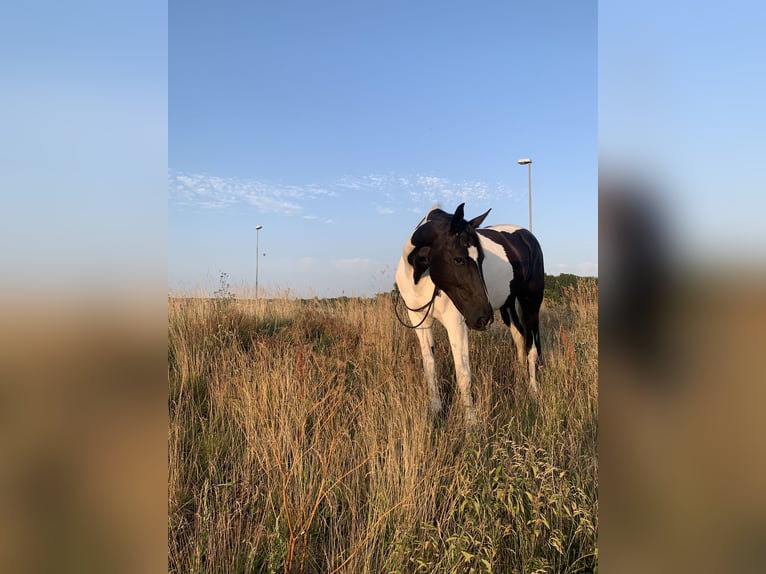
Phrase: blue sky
(337, 125)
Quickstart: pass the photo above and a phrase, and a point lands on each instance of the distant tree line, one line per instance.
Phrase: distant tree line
(555, 284)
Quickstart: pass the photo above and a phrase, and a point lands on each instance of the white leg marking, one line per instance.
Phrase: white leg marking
(532, 359)
(426, 339)
(518, 342)
(458, 337)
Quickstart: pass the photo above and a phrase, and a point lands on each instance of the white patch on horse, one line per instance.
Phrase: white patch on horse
(473, 253)
(505, 228)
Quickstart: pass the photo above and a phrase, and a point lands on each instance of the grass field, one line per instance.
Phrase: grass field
(300, 440)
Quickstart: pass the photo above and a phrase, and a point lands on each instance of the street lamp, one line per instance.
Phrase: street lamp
(257, 257)
(528, 162)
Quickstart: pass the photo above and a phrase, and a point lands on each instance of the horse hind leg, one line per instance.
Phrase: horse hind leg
(518, 342)
(532, 342)
(511, 319)
(532, 357)
(526, 337)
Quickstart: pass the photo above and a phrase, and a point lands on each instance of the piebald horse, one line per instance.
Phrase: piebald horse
(457, 273)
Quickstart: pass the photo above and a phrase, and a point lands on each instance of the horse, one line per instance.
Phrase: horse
(455, 272)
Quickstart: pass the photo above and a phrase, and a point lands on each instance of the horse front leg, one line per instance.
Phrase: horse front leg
(426, 340)
(458, 338)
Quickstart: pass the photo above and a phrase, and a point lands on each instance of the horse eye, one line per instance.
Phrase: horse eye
(459, 260)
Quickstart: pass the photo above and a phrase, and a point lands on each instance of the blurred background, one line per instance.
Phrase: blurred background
(83, 353)
(682, 313)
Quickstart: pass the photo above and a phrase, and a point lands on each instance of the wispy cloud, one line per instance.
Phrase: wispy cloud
(430, 189)
(317, 218)
(389, 193)
(413, 193)
(384, 210)
(214, 192)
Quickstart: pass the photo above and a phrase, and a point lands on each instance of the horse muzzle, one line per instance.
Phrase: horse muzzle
(482, 322)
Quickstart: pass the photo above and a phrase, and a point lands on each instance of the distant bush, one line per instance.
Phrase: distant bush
(556, 285)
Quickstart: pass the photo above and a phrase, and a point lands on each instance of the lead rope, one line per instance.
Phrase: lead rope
(427, 307)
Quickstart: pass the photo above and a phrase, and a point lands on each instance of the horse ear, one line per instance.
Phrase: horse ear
(477, 221)
(456, 225)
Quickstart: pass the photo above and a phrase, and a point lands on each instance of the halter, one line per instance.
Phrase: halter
(427, 308)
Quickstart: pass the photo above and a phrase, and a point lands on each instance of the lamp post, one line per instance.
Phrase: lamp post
(528, 162)
(257, 257)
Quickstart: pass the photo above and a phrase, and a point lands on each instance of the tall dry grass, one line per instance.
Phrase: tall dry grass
(300, 440)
